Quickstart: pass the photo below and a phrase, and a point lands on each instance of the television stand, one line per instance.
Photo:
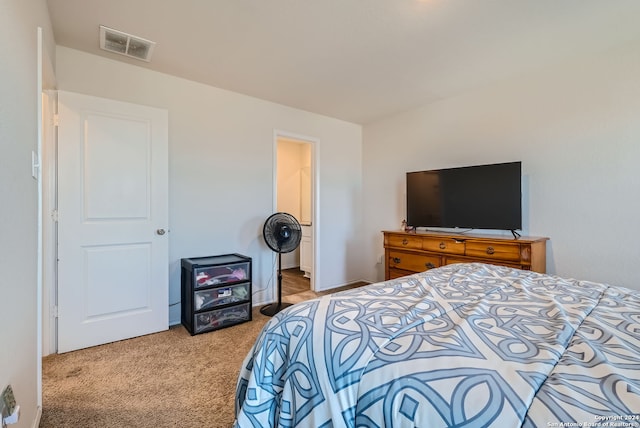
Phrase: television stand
(408, 253)
(515, 234)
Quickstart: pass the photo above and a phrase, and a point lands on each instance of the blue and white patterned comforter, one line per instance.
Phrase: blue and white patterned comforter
(463, 345)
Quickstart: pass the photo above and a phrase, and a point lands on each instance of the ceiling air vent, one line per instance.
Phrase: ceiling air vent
(125, 44)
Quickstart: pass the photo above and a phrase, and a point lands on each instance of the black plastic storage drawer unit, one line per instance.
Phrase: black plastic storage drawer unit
(216, 292)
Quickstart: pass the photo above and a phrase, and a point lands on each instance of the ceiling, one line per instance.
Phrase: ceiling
(356, 60)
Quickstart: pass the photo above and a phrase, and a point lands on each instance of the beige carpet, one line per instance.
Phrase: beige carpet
(167, 379)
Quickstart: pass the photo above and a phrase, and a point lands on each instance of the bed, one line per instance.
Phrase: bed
(465, 345)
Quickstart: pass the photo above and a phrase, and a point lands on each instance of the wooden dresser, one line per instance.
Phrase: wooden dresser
(407, 253)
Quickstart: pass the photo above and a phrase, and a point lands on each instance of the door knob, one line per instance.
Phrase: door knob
(161, 232)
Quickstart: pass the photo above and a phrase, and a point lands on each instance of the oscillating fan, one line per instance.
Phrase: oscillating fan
(282, 233)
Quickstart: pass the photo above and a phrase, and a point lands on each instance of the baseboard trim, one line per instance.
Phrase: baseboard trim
(343, 285)
(36, 422)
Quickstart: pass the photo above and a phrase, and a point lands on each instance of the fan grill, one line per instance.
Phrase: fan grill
(282, 232)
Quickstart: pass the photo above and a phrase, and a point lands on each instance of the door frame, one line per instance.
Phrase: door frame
(315, 195)
(49, 223)
(41, 168)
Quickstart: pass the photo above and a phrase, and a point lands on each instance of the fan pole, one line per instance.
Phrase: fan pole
(274, 308)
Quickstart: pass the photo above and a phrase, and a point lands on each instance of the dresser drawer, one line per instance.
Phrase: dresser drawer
(398, 273)
(493, 250)
(443, 245)
(452, 260)
(404, 241)
(412, 262)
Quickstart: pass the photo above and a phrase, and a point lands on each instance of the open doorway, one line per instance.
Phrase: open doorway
(295, 191)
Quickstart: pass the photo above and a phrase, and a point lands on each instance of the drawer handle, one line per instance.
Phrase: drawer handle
(405, 242)
(442, 246)
(429, 265)
(396, 259)
(490, 250)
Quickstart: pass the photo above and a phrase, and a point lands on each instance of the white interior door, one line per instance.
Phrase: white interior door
(112, 218)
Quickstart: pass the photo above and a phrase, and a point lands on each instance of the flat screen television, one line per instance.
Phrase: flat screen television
(473, 197)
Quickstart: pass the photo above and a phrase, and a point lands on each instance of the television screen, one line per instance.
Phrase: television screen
(475, 197)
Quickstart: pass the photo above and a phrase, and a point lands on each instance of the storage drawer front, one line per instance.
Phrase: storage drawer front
(220, 275)
(398, 273)
(400, 241)
(412, 262)
(213, 320)
(445, 245)
(493, 250)
(213, 297)
(452, 260)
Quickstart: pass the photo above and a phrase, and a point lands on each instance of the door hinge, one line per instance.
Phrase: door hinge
(54, 215)
(56, 120)
(54, 311)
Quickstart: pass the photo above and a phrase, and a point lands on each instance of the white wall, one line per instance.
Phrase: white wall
(18, 191)
(576, 128)
(221, 168)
